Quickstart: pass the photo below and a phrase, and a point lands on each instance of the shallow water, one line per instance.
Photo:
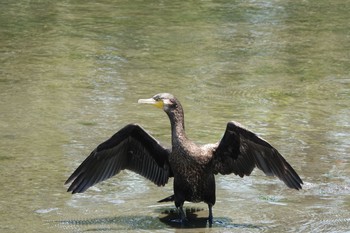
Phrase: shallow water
(71, 74)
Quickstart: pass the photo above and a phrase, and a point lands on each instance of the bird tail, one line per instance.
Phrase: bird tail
(170, 198)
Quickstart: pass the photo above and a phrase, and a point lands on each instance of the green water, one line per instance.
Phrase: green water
(71, 73)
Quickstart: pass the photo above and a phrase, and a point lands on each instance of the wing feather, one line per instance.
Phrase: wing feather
(240, 151)
(130, 148)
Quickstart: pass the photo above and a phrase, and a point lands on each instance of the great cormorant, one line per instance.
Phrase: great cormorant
(192, 166)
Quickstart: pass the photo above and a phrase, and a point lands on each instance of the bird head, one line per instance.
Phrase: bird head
(165, 101)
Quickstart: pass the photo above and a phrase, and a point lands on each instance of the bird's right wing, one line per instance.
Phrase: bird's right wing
(130, 148)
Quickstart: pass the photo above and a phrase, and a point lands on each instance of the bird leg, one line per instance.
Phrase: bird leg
(210, 218)
(182, 214)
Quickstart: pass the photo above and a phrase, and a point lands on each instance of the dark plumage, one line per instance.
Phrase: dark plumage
(192, 166)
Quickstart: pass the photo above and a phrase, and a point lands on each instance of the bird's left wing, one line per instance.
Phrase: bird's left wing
(130, 148)
(240, 150)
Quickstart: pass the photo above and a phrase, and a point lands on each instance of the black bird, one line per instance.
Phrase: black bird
(192, 166)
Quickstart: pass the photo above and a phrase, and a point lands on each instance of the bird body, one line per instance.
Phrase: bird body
(193, 175)
(192, 166)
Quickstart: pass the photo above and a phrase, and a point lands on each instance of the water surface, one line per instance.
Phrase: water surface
(71, 73)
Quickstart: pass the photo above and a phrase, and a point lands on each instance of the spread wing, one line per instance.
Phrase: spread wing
(130, 148)
(240, 150)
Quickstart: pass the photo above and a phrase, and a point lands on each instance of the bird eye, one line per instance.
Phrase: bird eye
(156, 98)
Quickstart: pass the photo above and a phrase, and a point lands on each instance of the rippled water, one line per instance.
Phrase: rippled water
(71, 73)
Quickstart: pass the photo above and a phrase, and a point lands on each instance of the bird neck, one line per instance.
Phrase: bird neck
(177, 126)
